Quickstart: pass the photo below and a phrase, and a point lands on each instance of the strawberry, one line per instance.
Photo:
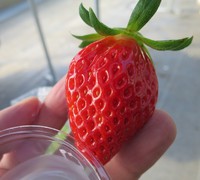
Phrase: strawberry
(111, 84)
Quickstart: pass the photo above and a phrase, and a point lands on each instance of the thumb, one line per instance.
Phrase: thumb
(142, 151)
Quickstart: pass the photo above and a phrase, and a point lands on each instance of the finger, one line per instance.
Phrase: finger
(53, 112)
(23, 113)
(3, 171)
(139, 154)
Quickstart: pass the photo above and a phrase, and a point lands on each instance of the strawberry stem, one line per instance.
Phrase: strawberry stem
(172, 45)
(99, 27)
(142, 13)
(90, 37)
(54, 146)
(84, 14)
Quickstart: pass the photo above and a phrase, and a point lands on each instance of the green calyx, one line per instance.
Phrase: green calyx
(142, 13)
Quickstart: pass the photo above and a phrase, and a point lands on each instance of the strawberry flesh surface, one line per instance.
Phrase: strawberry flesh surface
(111, 90)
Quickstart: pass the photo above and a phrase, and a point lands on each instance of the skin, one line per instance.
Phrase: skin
(134, 158)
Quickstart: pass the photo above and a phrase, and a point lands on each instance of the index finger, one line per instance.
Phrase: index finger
(53, 112)
(23, 113)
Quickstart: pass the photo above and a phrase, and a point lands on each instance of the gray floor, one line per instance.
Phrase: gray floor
(23, 67)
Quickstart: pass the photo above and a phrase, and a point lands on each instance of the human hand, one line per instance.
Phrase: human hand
(52, 113)
(134, 158)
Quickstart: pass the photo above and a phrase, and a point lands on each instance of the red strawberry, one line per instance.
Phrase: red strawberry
(111, 85)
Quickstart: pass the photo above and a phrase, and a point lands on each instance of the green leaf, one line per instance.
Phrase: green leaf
(163, 45)
(84, 14)
(147, 52)
(89, 37)
(99, 27)
(142, 13)
(85, 43)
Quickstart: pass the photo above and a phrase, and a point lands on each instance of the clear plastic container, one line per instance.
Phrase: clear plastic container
(36, 153)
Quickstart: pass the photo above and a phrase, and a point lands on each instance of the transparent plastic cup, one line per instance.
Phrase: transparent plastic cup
(36, 153)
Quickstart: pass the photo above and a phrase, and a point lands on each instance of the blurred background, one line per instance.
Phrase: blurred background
(36, 48)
